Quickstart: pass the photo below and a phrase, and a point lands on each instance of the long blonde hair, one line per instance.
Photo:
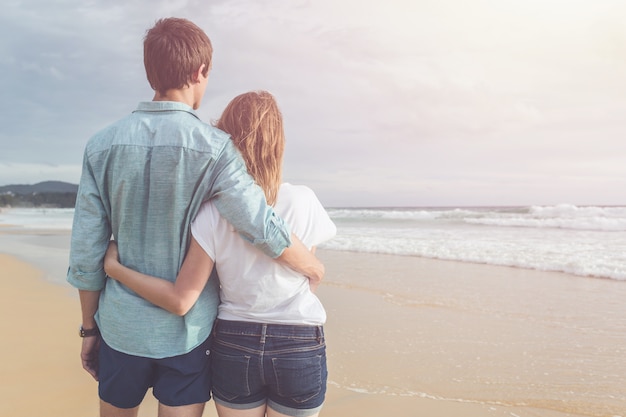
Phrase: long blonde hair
(255, 125)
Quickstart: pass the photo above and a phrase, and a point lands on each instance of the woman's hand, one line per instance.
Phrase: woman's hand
(111, 259)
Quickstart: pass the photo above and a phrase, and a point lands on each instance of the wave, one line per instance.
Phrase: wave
(563, 216)
(598, 223)
(38, 218)
(388, 214)
(579, 240)
(519, 255)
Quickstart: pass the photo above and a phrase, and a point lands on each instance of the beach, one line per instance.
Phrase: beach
(407, 336)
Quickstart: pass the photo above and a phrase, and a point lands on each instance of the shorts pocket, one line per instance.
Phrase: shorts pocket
(300, 379)
(230, 375)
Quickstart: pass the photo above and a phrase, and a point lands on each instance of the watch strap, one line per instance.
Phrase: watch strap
(82, 332)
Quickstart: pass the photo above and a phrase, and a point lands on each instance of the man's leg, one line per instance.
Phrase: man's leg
(123, 380)
(185, 380)
(108, 410)
(193, 410)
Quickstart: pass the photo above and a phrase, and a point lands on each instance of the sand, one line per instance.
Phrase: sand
(406, 337)
(41, 373)
(40, 368)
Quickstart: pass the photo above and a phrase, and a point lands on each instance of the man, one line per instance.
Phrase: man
(144, 178)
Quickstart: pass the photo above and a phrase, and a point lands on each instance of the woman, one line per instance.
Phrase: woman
(269, 352)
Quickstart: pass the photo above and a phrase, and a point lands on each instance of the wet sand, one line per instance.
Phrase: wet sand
(425, 337)
(406, 337)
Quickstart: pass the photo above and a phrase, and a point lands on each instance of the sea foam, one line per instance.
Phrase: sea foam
(586, 241)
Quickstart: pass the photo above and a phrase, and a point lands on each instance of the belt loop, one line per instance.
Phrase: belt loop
(263, 333)
(320, 334)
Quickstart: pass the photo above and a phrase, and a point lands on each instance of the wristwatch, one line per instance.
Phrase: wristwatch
(88, 332)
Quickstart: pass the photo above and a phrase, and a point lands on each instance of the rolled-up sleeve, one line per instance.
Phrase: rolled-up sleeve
(242, 202)
(91, 232)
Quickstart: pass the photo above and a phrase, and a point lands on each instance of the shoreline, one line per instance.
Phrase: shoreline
(405, 335)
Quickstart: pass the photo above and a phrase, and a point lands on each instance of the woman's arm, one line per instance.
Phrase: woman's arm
(176, 297)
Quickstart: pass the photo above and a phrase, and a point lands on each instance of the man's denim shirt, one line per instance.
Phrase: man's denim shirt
(143, 181)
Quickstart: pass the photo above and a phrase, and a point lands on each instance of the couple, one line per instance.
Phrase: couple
(176, 195)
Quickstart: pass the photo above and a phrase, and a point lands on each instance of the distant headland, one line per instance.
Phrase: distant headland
(43, 194)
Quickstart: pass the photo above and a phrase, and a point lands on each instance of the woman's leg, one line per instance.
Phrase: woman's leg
(295, 370)
(223, 411)
(274, 413)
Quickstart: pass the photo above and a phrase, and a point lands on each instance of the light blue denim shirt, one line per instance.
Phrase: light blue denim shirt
(143, 181)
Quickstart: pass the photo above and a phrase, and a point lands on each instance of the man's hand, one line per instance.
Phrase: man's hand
(313, 284)
(89, 355)
(299, 258)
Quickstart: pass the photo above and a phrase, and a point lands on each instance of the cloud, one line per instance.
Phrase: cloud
(397, 102)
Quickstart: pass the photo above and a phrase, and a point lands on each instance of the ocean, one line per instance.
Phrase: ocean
(585, 241)
(581, 240)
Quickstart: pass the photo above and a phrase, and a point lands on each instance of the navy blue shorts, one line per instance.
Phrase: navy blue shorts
(175, 381)
(283, 366)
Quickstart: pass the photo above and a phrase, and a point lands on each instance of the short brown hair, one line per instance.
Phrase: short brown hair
(255, 125)
(172, 51)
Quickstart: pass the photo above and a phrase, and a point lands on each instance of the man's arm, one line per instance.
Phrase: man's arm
(91, 345)
(91, 232)
(242, 202)
(299, 258)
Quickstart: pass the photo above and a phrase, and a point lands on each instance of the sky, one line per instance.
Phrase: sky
(394, 103)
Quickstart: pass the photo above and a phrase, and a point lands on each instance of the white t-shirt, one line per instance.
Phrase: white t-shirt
(254, 287)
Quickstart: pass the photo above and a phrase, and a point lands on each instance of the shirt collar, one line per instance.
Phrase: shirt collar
(158, 106)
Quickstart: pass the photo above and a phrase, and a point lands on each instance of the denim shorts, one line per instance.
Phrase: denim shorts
(283, 366)
(178, 380)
